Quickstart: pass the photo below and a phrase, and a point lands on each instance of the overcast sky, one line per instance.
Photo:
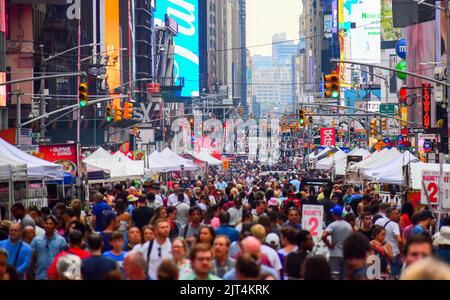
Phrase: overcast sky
(267, 17)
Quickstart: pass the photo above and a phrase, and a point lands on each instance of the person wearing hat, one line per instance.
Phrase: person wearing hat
(132, 201)
(339, 230)
(441, 241)
(425, 219)
(69, 267)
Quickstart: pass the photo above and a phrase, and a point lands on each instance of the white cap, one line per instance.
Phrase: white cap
(69, 266)
(273, 240)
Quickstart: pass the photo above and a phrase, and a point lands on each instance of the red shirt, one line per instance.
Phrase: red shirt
(53, 272)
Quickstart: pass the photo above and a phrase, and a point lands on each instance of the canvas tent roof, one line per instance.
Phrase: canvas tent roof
(392, 170)
(373, 157)
(205, 156)
(37, 168)
(327, 163)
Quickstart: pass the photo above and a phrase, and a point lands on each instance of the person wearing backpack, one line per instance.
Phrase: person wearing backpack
(19, 252)
(159, 249)
(394, 237)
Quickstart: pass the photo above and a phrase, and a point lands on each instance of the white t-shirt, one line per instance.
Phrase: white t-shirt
(39, 231)
(155, 257)
(392, 231)
(273, 257)
(173, 199)
(182, 213)
(235, 215)
(159, 199)
(396, 200)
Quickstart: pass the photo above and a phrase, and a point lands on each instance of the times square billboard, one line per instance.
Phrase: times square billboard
(187, 64)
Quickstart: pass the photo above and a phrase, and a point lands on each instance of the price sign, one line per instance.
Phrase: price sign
(430, 187)
(312, 220)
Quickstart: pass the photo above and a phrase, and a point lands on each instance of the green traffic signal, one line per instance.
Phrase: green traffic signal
(108, 118)
(83, 103)
(302, 121)
(335, 94)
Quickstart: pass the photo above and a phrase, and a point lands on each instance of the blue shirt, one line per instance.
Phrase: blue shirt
(222, 185)
(45, 251)
(418, 229)
(24, 257)
(97, 211)
(296, 183)
(117, 258)
(231, 275)
(229, 231)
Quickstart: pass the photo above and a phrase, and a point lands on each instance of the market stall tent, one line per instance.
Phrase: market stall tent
(392, 172)
(382, 160)
(206, 157)
(37, 169)
(333, 160)
(11, 170)
(373, 157)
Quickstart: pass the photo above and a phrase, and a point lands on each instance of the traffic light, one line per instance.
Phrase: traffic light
(118, 113)
(332, 88)
(403, 94)
(83, 94)
(128, 111)
(191, 122)
(302, 118)
(310, 120)
(373, 127)
(109, 113)
(384, 124)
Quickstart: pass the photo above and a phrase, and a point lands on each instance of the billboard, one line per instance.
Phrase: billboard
(388, 32)
(187, 63)
(112, 36)
(65, 155)
(362, 20)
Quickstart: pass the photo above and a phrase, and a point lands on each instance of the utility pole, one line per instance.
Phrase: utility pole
(447, 25)
(18, 115)
(42, 103)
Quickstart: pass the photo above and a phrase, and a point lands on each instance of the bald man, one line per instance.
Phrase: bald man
(29, 233)
(19, 253)
(252, 246)
(135, 266)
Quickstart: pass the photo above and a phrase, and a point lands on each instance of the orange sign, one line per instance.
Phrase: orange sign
(112, 42)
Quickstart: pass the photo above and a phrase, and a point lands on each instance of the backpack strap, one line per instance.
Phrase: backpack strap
(17, 254)
(186, 228)
(149, 251)
(387, 223)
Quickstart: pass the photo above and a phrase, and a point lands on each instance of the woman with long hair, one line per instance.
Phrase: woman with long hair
(206, 235)
(382, 248)
(160, 213)
(174, 226)
(123, 217)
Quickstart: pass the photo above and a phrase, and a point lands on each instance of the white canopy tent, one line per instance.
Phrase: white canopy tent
(169, 155)
(328, 163)
(392, 171)
(320, 153)
(37, 169)
(359, 152)
(11, 170)
(382, 160)
(120, 167)
(168, 161)
(373, 157)
(205, 156)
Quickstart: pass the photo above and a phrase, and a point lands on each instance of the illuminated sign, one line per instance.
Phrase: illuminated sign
(187, 63)
(426, 105)
(112, 42)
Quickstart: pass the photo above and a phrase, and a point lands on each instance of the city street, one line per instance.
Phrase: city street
(224, 140)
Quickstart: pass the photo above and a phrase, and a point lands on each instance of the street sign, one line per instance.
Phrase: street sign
(388, 109)
(427, 136)
(373, 106)
(312, 220)
(44, 140)
(412, 131)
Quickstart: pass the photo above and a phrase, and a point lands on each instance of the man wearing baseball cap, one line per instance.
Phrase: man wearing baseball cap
(339, 230)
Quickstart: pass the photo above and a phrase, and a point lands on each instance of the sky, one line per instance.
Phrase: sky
(267, 17)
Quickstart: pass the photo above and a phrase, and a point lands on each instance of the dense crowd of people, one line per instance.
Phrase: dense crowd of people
(237, 225)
